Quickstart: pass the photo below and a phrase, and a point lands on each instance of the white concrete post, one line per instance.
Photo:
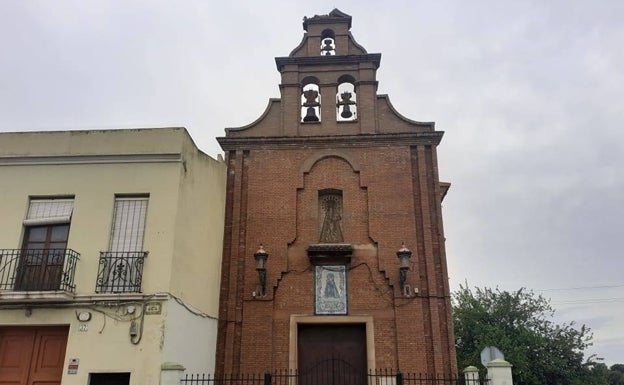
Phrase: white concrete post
(171, 373)
(499, 372)
(471, 375)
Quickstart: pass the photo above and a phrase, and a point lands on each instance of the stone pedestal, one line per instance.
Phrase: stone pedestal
(171, 373)
(499, 372)
(471, 375)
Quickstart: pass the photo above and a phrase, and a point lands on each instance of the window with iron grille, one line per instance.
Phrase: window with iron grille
(121, 267)
(128, 224)
(43, 262)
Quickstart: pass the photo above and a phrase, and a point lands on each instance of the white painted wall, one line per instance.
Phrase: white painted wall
(105, 346)
(183, 233)
(189, 339)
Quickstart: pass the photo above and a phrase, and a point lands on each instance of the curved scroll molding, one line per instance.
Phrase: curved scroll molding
(311, 161)
(430, 125)
(272, 102)
(324, 154)
(300, 47)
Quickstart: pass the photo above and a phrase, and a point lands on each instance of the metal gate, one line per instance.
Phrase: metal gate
(332, 371)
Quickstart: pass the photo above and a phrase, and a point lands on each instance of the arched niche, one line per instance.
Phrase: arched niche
(346, 99)
(310, 100)
(328, 43)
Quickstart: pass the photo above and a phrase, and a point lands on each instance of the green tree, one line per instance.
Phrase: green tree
(520, 324)
(616, 374)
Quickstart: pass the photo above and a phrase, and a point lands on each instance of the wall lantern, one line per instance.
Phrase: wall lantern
(261, 257)
(404, 255)
(83, 316)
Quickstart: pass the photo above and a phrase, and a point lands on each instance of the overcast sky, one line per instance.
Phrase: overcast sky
(529, 93)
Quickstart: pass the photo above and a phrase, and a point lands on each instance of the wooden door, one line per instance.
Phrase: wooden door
(42, 257)
(332, 355)
(15, 353)
(32, 356)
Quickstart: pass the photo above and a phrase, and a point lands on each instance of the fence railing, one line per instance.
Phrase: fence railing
(38, 269)
(120, 272)
(288, 377)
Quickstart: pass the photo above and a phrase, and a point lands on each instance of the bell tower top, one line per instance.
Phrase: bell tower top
(328, 90)
(327, 35)
(335, 16)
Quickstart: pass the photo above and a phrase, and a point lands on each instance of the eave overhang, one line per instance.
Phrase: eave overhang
(330, 253)
(431, 138)
(374, 58)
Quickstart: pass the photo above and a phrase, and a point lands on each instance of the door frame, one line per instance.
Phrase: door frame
(295, 320)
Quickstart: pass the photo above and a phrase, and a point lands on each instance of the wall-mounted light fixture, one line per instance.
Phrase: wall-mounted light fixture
(83, 316)
(404, 255)
(261, 257)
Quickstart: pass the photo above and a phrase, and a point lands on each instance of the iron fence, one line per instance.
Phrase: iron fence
(288, 377)
(231, 379)
(38, 269)
(120, 272)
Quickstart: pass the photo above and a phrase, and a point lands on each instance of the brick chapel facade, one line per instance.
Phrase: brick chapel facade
(325, 191)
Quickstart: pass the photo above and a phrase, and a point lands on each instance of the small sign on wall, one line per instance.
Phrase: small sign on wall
(72, 368)
(153, 308)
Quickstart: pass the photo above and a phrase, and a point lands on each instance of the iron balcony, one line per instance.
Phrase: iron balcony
(38, 269)
(120, 271)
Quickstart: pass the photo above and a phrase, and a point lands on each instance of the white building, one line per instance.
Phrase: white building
(110, 255)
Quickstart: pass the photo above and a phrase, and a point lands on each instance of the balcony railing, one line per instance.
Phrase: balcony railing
(38, 270)
(120, 272)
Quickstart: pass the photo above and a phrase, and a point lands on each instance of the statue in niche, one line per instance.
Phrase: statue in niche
(331, 207)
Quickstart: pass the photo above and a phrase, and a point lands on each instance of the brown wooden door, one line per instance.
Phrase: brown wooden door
(32, 356)
(332, 355)
(42, 258)
(15, 350)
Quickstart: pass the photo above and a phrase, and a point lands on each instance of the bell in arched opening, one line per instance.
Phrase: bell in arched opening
(310, 115)
(346, 103)
(346, 100)
(311, 103)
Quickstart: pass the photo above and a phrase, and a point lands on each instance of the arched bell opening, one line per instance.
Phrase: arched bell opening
(310, 100)
(328, 43)
(346, 99)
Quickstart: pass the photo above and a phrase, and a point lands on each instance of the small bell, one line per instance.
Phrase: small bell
(327, 49)
(311, 115)
(346, 112)
(345, 103)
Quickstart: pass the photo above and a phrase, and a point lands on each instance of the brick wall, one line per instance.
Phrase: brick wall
(391, 198)
(386, 168)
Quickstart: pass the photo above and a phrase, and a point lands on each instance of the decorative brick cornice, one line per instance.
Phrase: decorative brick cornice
(374, 58)
(323, 248)
(330, 253)
(334, 141)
